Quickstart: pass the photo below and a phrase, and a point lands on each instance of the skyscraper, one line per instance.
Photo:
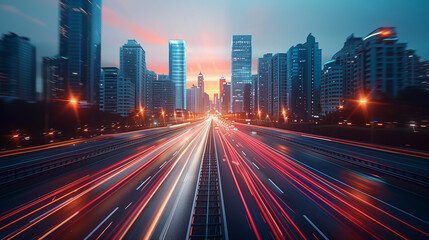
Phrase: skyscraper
(53, 83)
(303, 81)
(163, 95)
(80, 44)
(17, 68)
(133, 66)
(150, 78)
(241, 70)
(109, 89)
(226, 98)
(222, 81)
(194, 98)
(263, 77)
(380, 65)
(331, 93)
(254, 94)
(202, 104)
(177, 70)
(278, 84)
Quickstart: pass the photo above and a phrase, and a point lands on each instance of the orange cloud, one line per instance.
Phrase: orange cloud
(110, 17)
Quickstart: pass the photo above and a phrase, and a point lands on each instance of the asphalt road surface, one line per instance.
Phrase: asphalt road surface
(268, 184)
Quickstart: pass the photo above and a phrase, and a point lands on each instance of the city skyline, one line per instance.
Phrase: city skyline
(208, 51)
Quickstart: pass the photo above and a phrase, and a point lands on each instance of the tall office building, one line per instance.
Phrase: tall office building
(226, 98)
(150, 78)
(254, 94)
(80, 44)
(53, 83)
(278, 84)
(263, 76)
(177, 70)
(163, 95)
(216, 101)
(202, 104)
(241, 70)
(346, 58)
(109, 89)
(126, 96)
(132, 64)
(222, 81)
(193, 99)
(303, 79)
(17, 68)
(380, 65)
(332, 87)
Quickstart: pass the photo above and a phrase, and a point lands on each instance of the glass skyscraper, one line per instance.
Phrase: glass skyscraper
(241, 70)
(80, 45)
(177, 70)
(133, 66)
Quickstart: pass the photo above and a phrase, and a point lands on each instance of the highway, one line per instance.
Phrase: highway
(215, 179)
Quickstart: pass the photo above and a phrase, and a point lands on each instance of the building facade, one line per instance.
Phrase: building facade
(80, 45)
(17, 68)
(132, 63)
(241, 70)
(278, 84)
(163, 95)
(332, 87)
(263, 77)
(109, 89)
(303, 80)
(177, 70)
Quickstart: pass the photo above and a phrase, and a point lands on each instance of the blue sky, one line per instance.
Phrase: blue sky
(207, 27)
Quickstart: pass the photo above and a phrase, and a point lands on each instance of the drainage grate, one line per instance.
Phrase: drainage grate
(206, 222)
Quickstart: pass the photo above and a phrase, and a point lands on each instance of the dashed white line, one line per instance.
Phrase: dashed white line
(174, 154)
(129, 204)
(275, 185)
(255, 165)
(99, 225)
(163, 164)
(143, 182)
(244, 153)
(315, 227)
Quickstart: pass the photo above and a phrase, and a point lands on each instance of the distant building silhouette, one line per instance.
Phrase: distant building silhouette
(17, 68)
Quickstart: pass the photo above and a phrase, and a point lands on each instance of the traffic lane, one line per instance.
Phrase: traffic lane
(31, 192)
(267, 215)
(90, 193)
(172, 204)
(347, 196)
(88, 144)
(407, 162)
(370, 182)
(237, 220)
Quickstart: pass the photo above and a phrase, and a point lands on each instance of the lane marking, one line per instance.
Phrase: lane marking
(255, 165)
(104, 230)
(315, 227)
(143, 182)
(243, 153)
(52, 209)
(102, 222)
(163, 164)
(59, 225)
(275, 185)
(174, 154)
(345, 184)
(129, 204)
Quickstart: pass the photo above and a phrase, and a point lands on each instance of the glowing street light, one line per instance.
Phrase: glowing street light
(363, 101)
(73, 101)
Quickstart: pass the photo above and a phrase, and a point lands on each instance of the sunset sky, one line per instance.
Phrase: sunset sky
(207, 28)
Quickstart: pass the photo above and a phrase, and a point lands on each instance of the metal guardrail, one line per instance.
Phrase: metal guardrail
(383, 168)
(21, 172)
